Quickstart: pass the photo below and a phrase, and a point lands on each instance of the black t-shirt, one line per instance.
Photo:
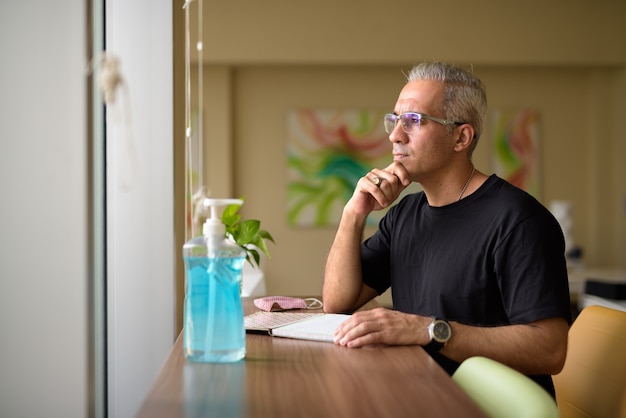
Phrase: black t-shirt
(493, 258)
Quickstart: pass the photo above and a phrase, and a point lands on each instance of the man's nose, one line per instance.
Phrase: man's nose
(398, 134)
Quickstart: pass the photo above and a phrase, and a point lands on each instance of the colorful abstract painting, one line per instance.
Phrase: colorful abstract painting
(515, 137)
(328, 152)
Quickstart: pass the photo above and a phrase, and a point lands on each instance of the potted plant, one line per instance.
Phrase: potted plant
(246, 233)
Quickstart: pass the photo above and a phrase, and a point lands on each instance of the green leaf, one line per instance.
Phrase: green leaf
(247, 231)
(266, 235)
(256, 256)
(260, 244)
(230, 216)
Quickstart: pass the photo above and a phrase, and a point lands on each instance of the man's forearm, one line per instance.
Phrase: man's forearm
(342, 277)
(535, 348)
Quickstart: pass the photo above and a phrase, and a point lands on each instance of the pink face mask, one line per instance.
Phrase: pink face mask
(285, 303)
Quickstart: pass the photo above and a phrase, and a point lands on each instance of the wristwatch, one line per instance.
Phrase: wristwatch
(439, 332)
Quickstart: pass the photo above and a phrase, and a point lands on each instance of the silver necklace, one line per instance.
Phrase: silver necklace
(467, 183)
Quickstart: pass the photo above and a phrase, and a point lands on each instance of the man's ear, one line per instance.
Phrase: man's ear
(465, 137)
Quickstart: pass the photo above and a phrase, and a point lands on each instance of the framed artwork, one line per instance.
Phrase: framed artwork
(515, 148)
(328, 152)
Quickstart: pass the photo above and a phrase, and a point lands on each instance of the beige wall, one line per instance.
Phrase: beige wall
(563, 58)
(328, 32)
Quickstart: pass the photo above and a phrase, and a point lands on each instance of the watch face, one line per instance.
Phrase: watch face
(441, 331)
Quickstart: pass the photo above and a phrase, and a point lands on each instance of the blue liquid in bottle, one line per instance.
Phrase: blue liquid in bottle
(213, 316)
(213, 325)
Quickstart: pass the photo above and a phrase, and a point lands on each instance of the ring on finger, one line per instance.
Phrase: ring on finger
(377, 181)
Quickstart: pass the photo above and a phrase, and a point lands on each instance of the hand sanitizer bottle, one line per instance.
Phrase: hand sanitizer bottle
(213, 315)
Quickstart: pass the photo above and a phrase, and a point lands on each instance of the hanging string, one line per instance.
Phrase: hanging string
(189, 224)
(195, 212)
(109, 77)
(110, 81)
(199, 48)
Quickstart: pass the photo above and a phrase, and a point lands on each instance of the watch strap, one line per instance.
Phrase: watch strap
(433, 346)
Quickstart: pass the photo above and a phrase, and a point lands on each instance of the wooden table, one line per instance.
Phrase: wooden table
(292, 378)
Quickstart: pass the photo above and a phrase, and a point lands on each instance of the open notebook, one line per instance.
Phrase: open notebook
(298, 325)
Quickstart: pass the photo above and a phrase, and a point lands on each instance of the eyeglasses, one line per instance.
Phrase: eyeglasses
(411, 121)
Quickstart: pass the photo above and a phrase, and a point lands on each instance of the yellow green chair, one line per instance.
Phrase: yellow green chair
(502, 392)
(593, 380)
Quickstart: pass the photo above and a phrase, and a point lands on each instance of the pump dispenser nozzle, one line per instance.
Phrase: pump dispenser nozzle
(213, 224)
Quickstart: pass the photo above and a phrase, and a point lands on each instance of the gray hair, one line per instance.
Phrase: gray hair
(465, 97)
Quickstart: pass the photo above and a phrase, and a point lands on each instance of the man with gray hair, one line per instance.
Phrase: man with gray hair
(475, 265)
